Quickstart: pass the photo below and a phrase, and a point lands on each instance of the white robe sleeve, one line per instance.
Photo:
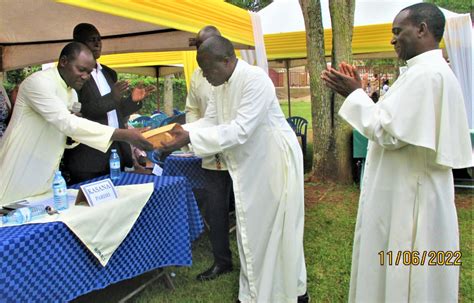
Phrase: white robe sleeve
(424, 108)
(43, 100)
(256, 97)
(365, 116)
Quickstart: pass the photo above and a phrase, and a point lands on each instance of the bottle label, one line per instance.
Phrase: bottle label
(26, 212)
(60, 191)
(115, 164)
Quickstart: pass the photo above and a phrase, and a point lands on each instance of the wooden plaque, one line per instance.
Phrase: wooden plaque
(158, 135)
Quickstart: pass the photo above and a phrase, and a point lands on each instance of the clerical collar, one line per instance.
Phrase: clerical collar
(234, 72)
(428, 57)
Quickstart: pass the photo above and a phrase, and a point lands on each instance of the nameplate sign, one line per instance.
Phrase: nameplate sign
(97, 192)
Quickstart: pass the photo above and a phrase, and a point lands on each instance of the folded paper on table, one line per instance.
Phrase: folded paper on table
(159, 135)
(103, 228)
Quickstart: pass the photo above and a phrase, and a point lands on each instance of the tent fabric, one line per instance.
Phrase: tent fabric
(367, 12)
(372, 27)
(258, 56)
(459, 40)
(142, 59)
(190, 64)
(190, 16)
(366, 39)
(35, 32)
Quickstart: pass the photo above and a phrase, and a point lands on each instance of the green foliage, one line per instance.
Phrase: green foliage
(150, 103)
(458, 6)
(15, 77)
(251, 5)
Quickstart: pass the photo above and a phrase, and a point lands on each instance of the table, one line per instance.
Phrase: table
(47, 263)
(189, 167)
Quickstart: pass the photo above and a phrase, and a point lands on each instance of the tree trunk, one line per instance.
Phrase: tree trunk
(168, 95)
(331, 136)
(320, 102)
(342, 20)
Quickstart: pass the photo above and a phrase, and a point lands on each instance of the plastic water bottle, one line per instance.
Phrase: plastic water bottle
(24, 214)
(60, 192)
(114, 166)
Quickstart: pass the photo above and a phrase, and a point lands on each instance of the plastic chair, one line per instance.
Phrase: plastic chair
(300, 127)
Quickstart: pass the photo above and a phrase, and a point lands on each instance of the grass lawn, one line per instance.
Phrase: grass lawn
(329, 227)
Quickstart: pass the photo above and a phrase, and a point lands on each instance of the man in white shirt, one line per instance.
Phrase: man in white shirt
(34, 141)
(215, 197)
(417, 134)
(244, 123)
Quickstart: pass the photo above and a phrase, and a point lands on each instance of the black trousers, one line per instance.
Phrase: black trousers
(215, 200)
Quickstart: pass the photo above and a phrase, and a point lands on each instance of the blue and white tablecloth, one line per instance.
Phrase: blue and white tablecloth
(47, 263)
(189, 167)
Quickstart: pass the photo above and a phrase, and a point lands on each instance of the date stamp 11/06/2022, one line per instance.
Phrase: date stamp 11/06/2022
(420, 258)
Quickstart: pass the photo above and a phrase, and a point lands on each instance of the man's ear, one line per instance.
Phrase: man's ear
(226, 60)
(423, 30)
(63, 61)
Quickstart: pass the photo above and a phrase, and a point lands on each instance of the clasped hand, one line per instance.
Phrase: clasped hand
(344, 81)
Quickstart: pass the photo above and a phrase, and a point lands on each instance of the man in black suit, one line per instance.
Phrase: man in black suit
(102, 101)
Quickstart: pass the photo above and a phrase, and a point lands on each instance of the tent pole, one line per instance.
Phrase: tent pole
(287, 65)
(157, 71)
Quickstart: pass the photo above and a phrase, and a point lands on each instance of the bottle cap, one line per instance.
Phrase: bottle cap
(114, 150)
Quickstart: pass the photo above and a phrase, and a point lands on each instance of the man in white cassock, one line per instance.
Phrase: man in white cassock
(417, 134)
(245, 124)
(34, 141)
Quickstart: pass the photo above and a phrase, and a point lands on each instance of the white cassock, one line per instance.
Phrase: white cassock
(417, 133)
(35, 139)
(244, 122)
(196, 106)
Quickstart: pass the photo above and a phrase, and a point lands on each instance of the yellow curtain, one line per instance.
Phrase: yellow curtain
(366, 39)
(234, 23)
(142, 59)
(189, 65)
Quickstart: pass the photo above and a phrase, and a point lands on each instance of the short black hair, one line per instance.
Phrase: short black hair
(217, 46)
(73, 49)
(430, 14)
(81, 30)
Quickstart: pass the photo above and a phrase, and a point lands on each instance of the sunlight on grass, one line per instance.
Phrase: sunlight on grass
(329, 228)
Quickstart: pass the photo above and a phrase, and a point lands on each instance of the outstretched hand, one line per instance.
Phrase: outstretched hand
(180, 139)
(344, 81)
(119, 89)
(132, 136)
(139, 92)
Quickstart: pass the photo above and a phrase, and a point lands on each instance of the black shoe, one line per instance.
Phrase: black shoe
(303, 298)
(215, 271)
